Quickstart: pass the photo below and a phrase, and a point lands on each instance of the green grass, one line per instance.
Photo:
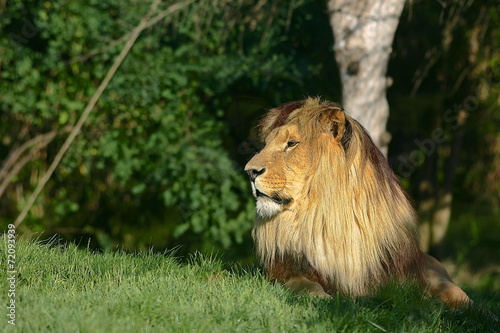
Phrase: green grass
(66, 289)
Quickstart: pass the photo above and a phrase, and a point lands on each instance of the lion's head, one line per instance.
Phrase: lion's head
(280, 173)
(328, 205)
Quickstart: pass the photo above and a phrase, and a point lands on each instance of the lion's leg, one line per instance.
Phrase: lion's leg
(440, 285)
(300, 284)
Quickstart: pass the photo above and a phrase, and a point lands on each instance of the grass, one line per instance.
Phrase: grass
(67, 289)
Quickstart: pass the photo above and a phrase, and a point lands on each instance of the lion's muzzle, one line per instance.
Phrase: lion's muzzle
(268, 204)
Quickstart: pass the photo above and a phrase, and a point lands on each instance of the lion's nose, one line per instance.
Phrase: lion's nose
(254, 173)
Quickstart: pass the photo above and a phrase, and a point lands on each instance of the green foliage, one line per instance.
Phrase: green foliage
(147, 292)
(153, 149)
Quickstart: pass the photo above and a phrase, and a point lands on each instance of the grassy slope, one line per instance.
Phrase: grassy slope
(65, 289)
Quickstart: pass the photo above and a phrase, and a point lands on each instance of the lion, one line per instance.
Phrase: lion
(332, 216)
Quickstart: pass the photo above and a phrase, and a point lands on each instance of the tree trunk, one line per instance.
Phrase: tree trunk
(364, 31)
(442, 212)
(427, 193)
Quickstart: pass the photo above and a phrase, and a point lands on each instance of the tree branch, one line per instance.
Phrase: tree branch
(15, 163)
(15, 153)
(125, 37)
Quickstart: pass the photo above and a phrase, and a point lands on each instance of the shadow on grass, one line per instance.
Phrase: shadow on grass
(395, 307)
(403, 308)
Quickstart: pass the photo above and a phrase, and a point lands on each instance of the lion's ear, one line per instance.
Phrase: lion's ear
(333, 120)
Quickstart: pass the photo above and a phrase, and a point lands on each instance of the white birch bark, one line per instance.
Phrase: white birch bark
(364, 31)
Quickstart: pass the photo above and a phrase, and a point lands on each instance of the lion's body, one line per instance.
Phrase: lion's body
(332, 216)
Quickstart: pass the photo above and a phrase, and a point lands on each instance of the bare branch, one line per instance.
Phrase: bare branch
(15, 163)
(125, 37)
(16, 152)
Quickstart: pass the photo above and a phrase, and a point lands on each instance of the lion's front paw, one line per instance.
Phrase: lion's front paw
(301, 284)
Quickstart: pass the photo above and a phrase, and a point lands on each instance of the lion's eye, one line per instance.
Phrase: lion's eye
(291, 144)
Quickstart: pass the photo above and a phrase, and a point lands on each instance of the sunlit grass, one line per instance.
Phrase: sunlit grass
(66, 289)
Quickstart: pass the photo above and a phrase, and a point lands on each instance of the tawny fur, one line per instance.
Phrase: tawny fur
(332, 212)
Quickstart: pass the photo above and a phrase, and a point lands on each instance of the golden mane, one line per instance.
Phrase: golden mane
(353, 226)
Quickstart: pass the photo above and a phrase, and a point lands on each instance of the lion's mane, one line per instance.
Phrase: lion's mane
(354, 227)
